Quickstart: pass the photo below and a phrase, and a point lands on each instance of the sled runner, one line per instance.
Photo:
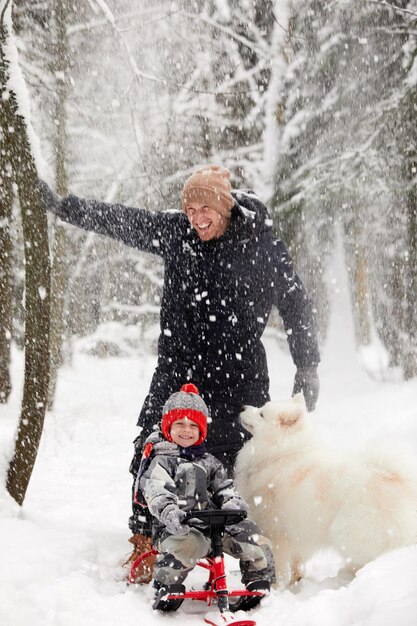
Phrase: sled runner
(215, 590)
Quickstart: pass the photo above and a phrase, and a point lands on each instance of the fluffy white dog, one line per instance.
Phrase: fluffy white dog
(306, 496)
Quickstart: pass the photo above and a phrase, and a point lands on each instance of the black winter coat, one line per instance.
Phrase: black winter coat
(217, 297)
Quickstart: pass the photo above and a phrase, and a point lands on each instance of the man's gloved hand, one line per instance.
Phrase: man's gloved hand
(50, 198)
(307, 381)
(171, 517)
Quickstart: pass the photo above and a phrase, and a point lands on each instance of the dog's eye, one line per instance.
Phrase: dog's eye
(261, 414)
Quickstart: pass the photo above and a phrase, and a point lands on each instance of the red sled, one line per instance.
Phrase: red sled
(215, 590)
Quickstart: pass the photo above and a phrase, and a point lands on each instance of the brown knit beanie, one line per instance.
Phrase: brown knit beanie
(209, 185)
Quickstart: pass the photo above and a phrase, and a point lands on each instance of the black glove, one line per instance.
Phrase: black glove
(50, 199)
(307, 380)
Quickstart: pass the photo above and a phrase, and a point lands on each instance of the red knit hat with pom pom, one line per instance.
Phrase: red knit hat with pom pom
(185, 403)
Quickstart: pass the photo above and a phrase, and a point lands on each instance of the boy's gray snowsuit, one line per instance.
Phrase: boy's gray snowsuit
(194, 479)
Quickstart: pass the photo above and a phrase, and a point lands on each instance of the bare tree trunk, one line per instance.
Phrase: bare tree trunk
(59, 283)
(390, 310)
(410, 349)
(358, 274)
(37, 273)
(361, 294)
(6, 281)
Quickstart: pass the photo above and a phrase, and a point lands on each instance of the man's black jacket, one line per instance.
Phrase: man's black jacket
(217, 297)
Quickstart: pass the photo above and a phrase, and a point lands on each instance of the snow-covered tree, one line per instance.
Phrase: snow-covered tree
(17, 151)
(343, 153)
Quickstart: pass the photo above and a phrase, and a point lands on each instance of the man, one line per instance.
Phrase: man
(223, 272)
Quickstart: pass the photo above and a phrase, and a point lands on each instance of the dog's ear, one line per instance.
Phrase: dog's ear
(294, 412)
(291, 417)
(299, 399)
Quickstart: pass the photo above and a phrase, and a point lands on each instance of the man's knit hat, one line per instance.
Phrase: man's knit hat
(185, 403)
(209, 185)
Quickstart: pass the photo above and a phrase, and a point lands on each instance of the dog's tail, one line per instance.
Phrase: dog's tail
(393, 490)
(395, 461)
(385, 505)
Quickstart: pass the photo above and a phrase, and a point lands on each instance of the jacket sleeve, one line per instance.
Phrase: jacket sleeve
(158, 487)
(146, 230)
(223, 489)
(295, 308)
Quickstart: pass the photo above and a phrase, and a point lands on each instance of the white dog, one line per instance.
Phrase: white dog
(306, 496)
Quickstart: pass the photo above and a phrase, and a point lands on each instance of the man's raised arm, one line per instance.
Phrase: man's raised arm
(139, 228)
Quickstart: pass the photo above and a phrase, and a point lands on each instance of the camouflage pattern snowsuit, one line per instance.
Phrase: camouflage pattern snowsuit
(191, 478)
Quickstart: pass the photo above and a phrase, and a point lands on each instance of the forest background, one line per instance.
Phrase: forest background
(312, 104)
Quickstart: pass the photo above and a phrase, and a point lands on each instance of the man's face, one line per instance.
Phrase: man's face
(208, 223)
(185, 433)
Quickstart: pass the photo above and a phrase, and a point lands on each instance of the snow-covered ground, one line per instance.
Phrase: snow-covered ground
(60, 555)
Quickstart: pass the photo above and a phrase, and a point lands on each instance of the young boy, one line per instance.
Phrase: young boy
(178, 475)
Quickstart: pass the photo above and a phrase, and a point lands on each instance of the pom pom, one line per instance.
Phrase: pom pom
(190, 388)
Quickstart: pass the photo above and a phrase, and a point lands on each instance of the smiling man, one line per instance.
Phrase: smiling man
(207, 202)
(223, 272)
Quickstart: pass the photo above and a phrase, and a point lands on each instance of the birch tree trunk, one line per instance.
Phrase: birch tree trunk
(37, 276)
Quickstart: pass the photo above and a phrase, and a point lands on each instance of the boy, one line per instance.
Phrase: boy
(178, 475)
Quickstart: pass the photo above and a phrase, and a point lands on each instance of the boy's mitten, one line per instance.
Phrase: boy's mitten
(307, 381)
(171, 517)
(50, 199)
(235, 504)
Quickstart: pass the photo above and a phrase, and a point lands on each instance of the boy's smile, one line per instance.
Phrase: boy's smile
(185, 433)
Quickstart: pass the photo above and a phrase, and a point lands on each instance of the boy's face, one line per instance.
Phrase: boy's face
(185, 433)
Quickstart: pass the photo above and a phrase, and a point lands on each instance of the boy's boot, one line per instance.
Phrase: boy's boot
(245, 603)
(145, 570)
(161, 602)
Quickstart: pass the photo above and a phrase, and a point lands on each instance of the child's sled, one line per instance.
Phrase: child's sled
(215, 590)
